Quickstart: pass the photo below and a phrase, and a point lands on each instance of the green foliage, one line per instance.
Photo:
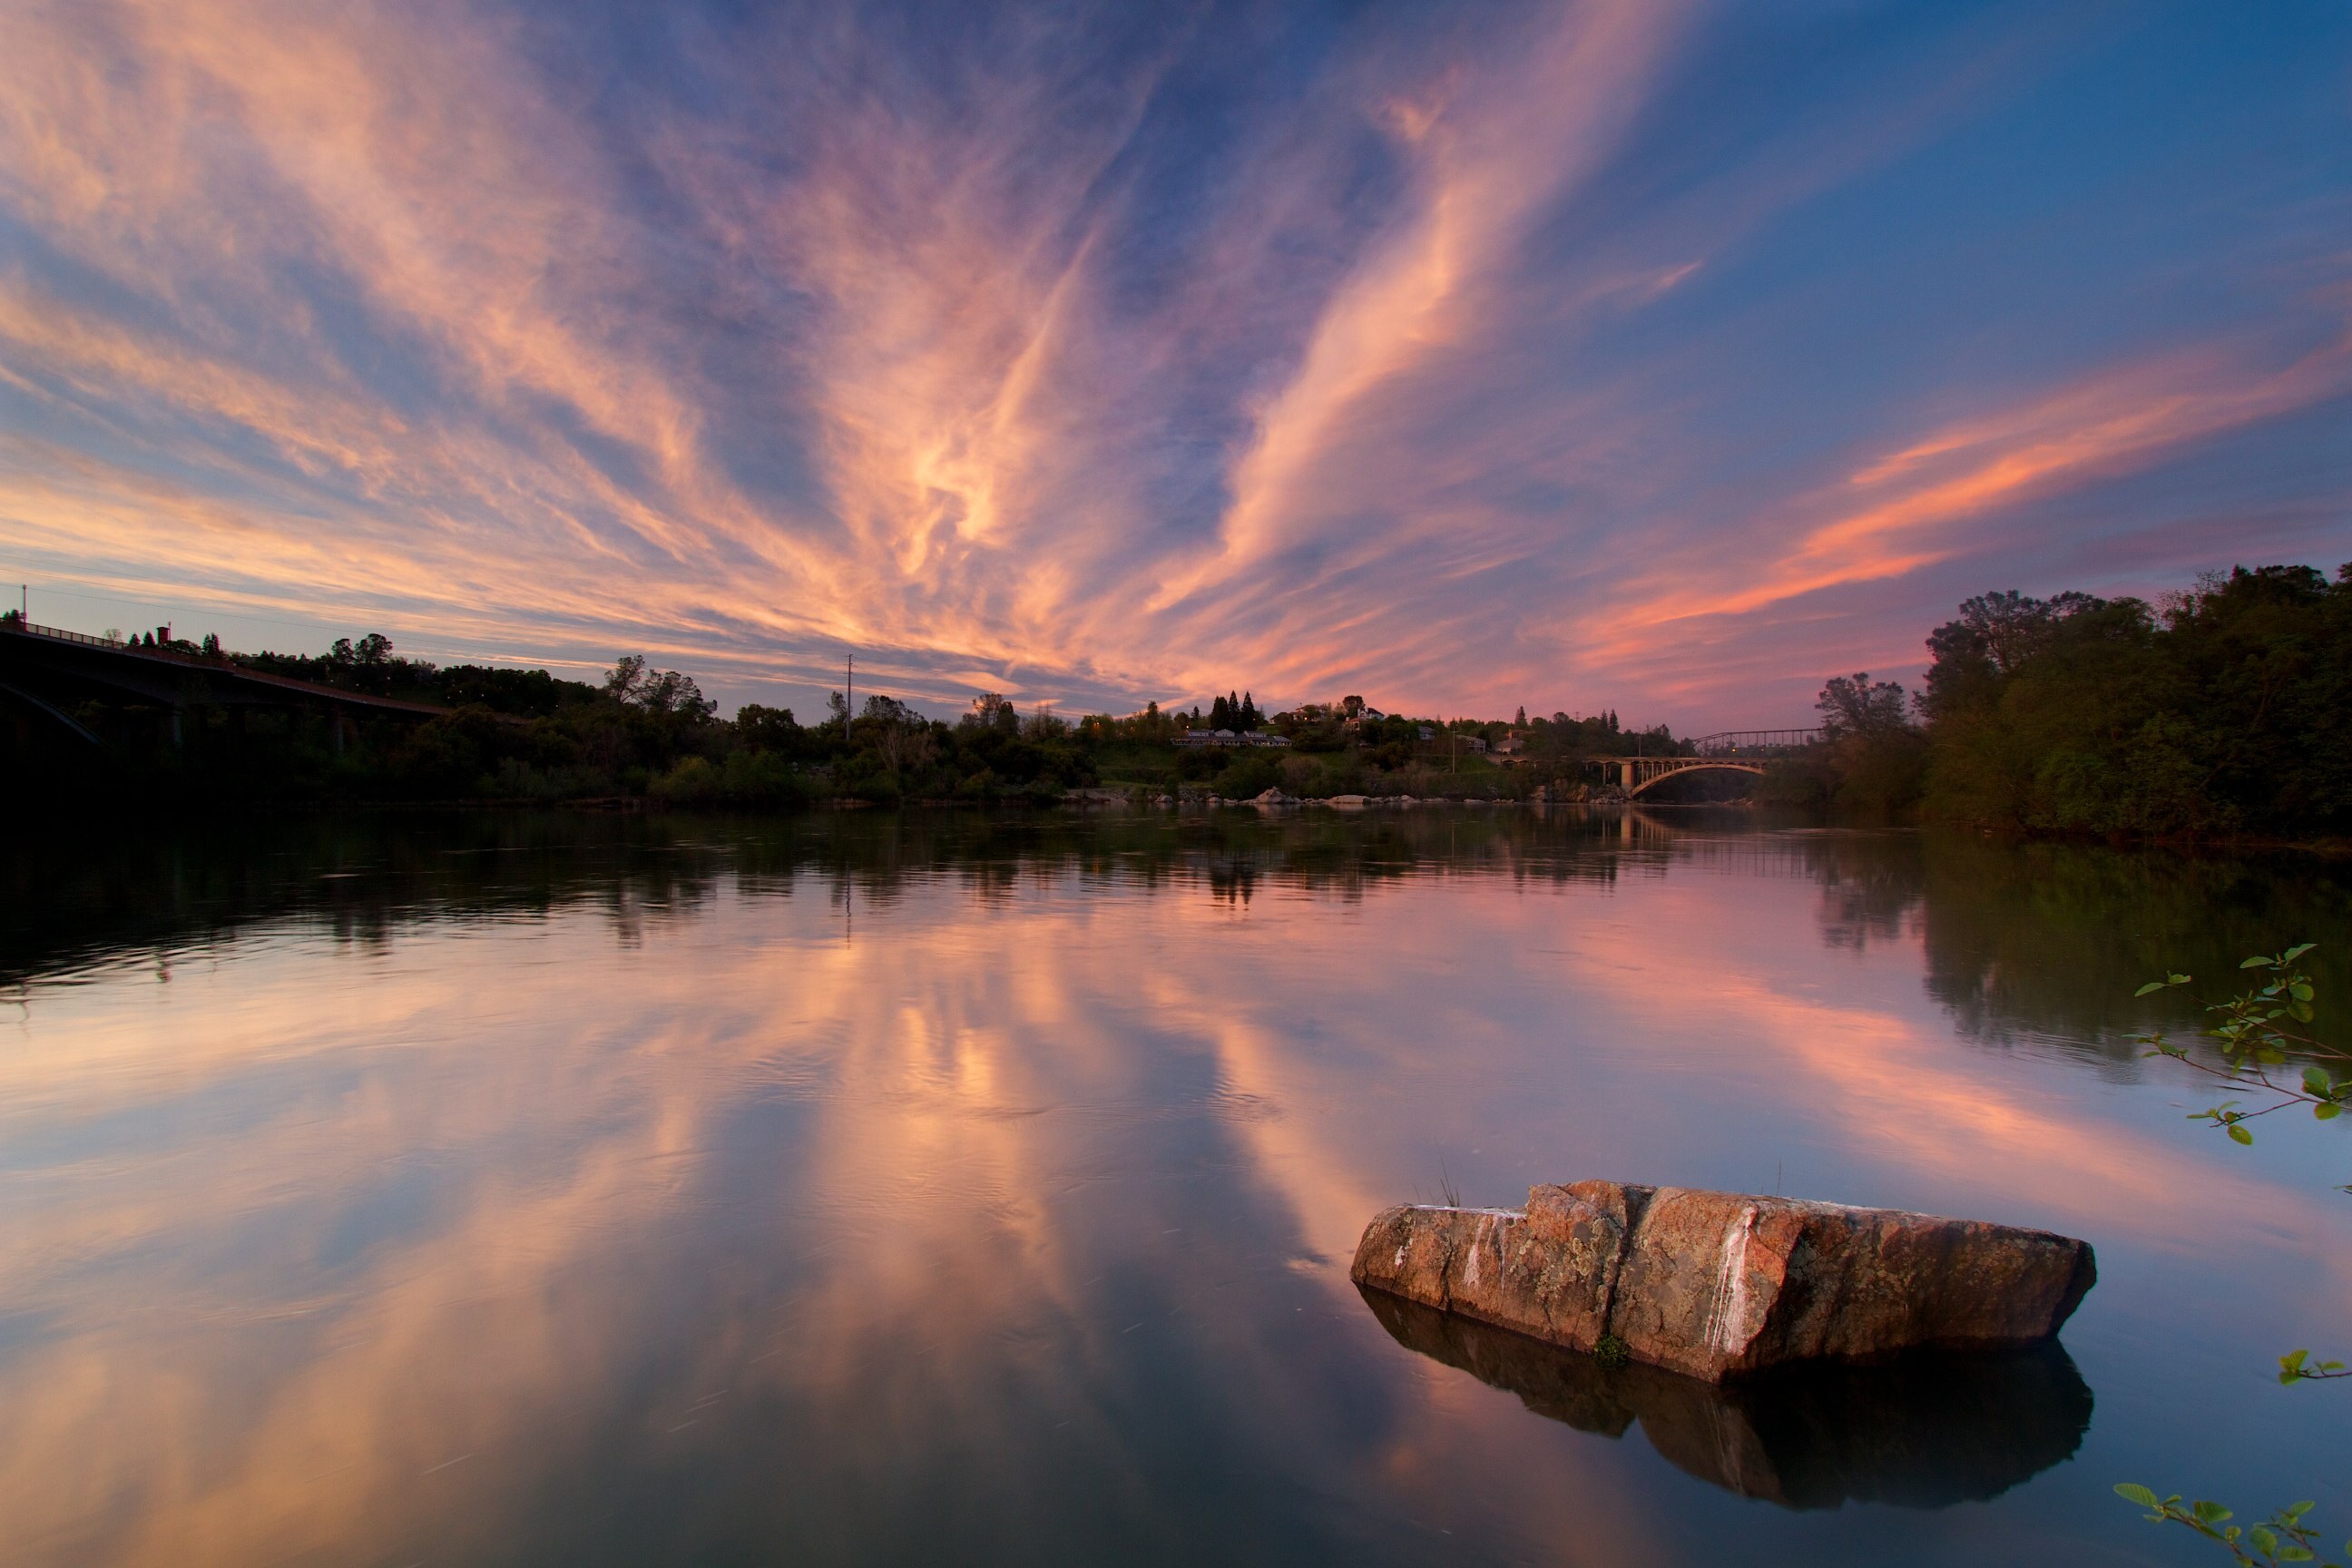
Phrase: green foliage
(2283, 1538)
(2254, 1033)
(1251, 774)
(1871, 759)
(2220, 712)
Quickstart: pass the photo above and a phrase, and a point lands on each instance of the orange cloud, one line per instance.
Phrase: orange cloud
(2110, 424)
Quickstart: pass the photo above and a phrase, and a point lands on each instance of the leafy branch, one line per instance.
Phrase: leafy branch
(2282, 1538)
(2255, 1032)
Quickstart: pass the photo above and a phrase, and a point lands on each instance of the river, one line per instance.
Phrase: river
(495, 1188)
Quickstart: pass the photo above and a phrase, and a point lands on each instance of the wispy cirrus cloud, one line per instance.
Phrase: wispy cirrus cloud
(1531, 356)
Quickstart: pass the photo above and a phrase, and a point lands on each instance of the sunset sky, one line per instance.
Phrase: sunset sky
(1639, 355)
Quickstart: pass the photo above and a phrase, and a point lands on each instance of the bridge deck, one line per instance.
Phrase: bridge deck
(181, 680)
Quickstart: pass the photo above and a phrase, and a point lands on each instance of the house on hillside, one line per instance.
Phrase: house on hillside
(1229, 738)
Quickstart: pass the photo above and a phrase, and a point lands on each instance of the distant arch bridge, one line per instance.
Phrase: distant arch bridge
(1731, 751)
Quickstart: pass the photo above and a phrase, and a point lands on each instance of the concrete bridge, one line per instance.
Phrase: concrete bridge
(46, 673)
(1732, 751)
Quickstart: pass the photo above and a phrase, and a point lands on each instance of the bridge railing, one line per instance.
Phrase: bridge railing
(1732, 741)
(18, 623)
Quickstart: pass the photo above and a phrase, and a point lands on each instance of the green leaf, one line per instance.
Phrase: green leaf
(2327, 1112)
(2301, 990)
(2210, 1512)
(2314, 1081)
(2264, 1538)
(2151, 985)
(2257, 962)
(2297, 950)
(2132, 1491)
(2177, 980)
(2239, 1134)
(2296, 1554)
(2292, 1360)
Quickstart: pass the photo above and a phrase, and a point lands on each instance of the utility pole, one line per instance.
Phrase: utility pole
(849, 695)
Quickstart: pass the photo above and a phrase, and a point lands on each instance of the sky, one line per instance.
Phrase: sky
(1647, 355)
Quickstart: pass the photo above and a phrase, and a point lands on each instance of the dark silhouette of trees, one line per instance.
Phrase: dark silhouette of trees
(2224, 710)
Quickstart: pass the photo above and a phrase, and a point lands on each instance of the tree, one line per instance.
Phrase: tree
(1994, 638)
(768, 729)
(1248, 717)
(1851, 705)
(673, 692)
(657, 690)
(1876, 757)
(994, 711)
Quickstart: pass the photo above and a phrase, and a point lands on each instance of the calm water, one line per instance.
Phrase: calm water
(858, 1189)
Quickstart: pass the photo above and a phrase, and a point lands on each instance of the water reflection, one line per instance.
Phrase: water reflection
(870, 1188)
(1925, 1431)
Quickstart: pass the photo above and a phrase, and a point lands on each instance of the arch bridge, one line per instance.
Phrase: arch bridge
(1731, 751)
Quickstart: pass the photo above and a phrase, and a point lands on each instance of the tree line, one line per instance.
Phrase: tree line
(2216, 711)
(650, 734)
(2224, 708)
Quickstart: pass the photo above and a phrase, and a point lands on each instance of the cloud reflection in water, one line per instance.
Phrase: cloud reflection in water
(891, 1190)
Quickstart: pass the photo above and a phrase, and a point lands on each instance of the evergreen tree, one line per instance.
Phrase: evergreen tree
(1221, 714)
(1249, 716)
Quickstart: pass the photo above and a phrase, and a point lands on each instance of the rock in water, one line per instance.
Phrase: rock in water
(1718, 1284)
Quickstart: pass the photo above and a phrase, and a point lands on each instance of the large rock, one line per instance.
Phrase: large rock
(1718, 1284)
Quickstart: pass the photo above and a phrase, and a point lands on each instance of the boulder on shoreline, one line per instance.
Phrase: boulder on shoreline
(1716, 1285)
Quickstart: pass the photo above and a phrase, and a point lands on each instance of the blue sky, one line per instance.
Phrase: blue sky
(1650, 356)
